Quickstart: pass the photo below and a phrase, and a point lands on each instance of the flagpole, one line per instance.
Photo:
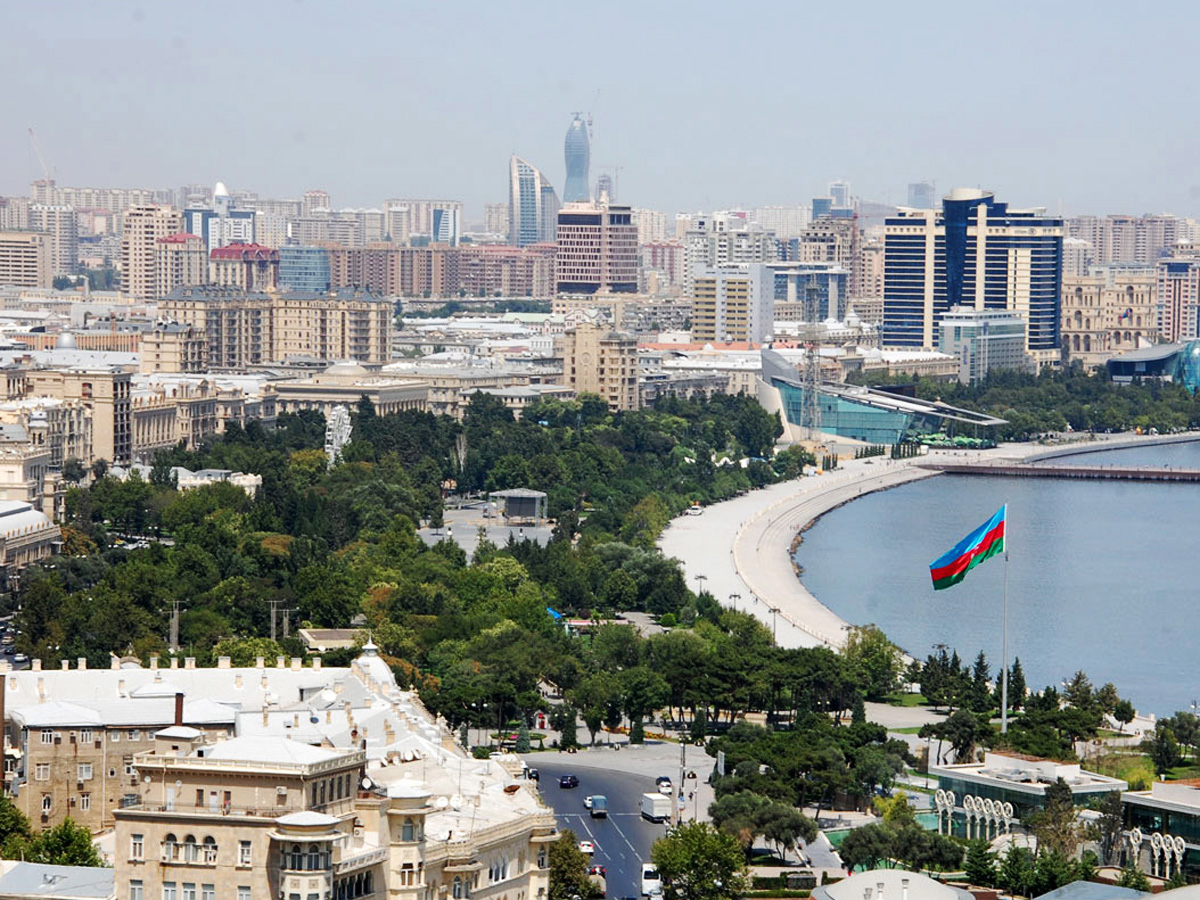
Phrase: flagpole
(1004, 662)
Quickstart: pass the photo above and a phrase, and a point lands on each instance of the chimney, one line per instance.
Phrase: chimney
(179, 708)
(237, 681)
(114, 663)
(82, 663)
(879, 890)
(903, 889)
(189, 662)
(259, 662)
(224, 662)
(295, 664)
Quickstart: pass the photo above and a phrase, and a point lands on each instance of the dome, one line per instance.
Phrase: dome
(219, 190)
(346, 367)
(66, 341)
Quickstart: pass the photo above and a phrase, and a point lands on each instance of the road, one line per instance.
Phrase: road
(623, 839)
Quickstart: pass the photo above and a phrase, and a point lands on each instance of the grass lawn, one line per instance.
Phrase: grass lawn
(911, 729)
(898, 699)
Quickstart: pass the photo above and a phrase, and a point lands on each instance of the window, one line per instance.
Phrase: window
(189, 890)
(408, 831)
(137, 846)
(47, 803)
(243, 853)
(114, 737)
(135, 735)
(170, 848)
(135, 890)
(457, 889)
(243, 892)
(41, 772)
(47, 736)
(208, 892)
(83, 772)
(85, 802)
(169, 891)
(210, 851)
(191, 853)
(85, 736)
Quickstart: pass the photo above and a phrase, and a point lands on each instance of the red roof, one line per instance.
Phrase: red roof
(244, 252)
(181, 238)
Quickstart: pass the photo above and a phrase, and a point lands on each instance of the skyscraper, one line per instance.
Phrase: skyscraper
(921, 195)
(577, 155)
(62, 228)
(597, 249)
(605, 192)
(973, 252)
(532, 204)
(141, 227)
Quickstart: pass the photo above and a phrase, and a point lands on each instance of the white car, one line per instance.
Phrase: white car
(587, 802)
(651, 881)
(587, 847)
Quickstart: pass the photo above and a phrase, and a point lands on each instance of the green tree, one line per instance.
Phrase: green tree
(569, 869)
(981, 864)
(866, 847)
(243, 652)
(1017, 872)
(1016, 685)
(1163, 749)
(1056, 825)
(877, 660)
(67, 844)
(697, 862)
(1123, 712)
(1134, 878)
(1110, 825)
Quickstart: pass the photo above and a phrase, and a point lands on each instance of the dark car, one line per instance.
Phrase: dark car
(533, 775)
(568, 781)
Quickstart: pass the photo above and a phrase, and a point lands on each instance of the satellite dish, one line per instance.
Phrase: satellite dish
(456, 801)
(367, 783)
(441, 802)
(146, 780)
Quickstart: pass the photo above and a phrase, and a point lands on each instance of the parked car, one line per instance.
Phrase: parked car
(587, 847)
(568, 781)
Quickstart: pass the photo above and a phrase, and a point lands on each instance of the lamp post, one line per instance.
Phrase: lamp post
(774, 612)
(734, 598)
(700, 579)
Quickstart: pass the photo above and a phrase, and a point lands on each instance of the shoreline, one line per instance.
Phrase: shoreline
(742, 550)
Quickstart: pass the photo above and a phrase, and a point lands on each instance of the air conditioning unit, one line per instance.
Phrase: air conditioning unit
(281, 791)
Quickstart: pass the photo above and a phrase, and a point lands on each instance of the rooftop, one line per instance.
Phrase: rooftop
(25, 879)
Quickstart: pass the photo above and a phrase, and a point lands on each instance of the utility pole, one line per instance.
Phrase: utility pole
(274, 604)
(174, 640)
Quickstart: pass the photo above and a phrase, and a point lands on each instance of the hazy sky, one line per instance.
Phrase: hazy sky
(1078, 106)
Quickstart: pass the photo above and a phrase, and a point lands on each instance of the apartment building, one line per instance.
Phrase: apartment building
(599, 361)
(506, 271)
(141, 228)
(180, 260)
(61, 228)
(390, 271)
(105, 393)
(25, 259)
(172, 347)
(733, 303)
(246, 267)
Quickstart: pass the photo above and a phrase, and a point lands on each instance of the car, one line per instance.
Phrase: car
(20, 659)
(598, 870)
(587, 847)
(587, 802)
(568, 781)
(599, 807)
(533, 775)
(651, 881)
(664, 784)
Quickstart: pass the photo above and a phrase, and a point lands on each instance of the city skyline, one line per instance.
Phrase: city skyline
(91, 73)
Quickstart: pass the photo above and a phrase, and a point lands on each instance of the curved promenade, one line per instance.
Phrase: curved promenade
(739, 550)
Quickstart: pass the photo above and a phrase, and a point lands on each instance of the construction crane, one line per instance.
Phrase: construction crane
(47, 172)
(810, 337)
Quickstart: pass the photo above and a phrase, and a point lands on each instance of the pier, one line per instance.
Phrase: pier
(1028, 470)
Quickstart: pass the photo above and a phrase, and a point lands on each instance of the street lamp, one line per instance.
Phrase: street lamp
(734, 598)
(701, 579)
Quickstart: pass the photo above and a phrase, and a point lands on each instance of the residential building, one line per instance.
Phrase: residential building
(785, 222)
(974, 252)
(666, 257)
(597, 250)
(344, 384)
(1126, 239)
(141, 227)
(25, 259)
(27, 536)
(505, 271)
(105, 393)
(304, 269)
(724, 238)
(823, 287)
(222, 223)
(651, 226)
(1178, 289)
(532, 205)
(827, 239)
(246, 267)
(246, 329)
(61, 428)
(314, 200)
(1107, 313)
(117, 200)
(391, 271)
(495, 218)
(1078, 257)
(576, 153)
(424, 217)
(733, 303)
(175, 348)
(599, 361)
(180, 260)
(984, 341)
(14, 213)
(922, 195)
(343, 227)
(61, 227)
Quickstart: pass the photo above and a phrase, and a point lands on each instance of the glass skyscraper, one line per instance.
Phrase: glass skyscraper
(304, 269)
(532, 204)
(577, 155)
(974, 252)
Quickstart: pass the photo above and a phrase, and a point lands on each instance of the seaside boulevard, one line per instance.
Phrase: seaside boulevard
(740, 551)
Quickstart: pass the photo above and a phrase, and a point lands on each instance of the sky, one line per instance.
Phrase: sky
(1081, 107)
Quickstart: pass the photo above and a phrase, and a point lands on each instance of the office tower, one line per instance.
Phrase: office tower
(822, 288)
(532, 205)
(222, 223)
(983, 341)
(724, 238)
(599, 361)
(921, 195)
(304, 269)
(445, 226)
(315, 200)
(822, 206)
(61, 227)
(839, 193)
(733, 303)
(25, 259)
(577, 156)
(180, 260)
(495, 218)
(605, 192)
(141, 227)
(597, 250)
(974, 252)
(247, 267)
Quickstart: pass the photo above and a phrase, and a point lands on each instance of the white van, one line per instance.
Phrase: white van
(651, 882)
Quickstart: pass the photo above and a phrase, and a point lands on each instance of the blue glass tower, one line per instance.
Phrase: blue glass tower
(304, 269)
(577, 155)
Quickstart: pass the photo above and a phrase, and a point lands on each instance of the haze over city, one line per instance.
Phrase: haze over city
(702, 106)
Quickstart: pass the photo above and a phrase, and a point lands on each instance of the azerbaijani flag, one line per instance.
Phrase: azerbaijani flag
(983, 543)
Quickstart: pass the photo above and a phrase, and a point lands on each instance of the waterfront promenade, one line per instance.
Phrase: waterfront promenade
(740, 550)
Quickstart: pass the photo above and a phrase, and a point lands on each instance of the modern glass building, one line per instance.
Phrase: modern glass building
(445, 227)
(974, 252)
(983, 340)
(578, 156)
(1179, 363)
(532, 204)
(826, 285)
(304, 269)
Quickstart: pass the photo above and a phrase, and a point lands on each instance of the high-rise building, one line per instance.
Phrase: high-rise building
(61, 227)
(247, 267)
(605, 190)
(733, 303)
(599, 361)
(651, 225)
(423, 217)
(597, 250)
(921, 195)
(974, 252)
(180, 260)
(1179, 294)
(577, 156)
(25, 259)
(14, 213)
(396, 220)
(532, 205)
(222, 223)
(827, 239)
(666, 257)
(785, 222)
(983, 341)
(304, 269)
(839, 193)
(1126, 239)
(495, 218)
(445, 226)
(724, 238)
(314, 200)
(141, 227)
(491, 270)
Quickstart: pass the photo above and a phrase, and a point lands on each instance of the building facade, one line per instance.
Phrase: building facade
(304, 269)
(733, 303)
(599, 361)
(61, 227)
(1108, 313)
(532, 205)
(984, 341)
(25, 260)
(577, 155)
(597, 250)
(141, 228)
(246, 267)
(180, 260)
(973, 252)
(1178, 294)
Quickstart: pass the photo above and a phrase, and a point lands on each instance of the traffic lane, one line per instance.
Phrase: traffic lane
(623, 840)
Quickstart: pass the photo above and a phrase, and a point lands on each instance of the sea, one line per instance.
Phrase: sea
(1103, 576)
